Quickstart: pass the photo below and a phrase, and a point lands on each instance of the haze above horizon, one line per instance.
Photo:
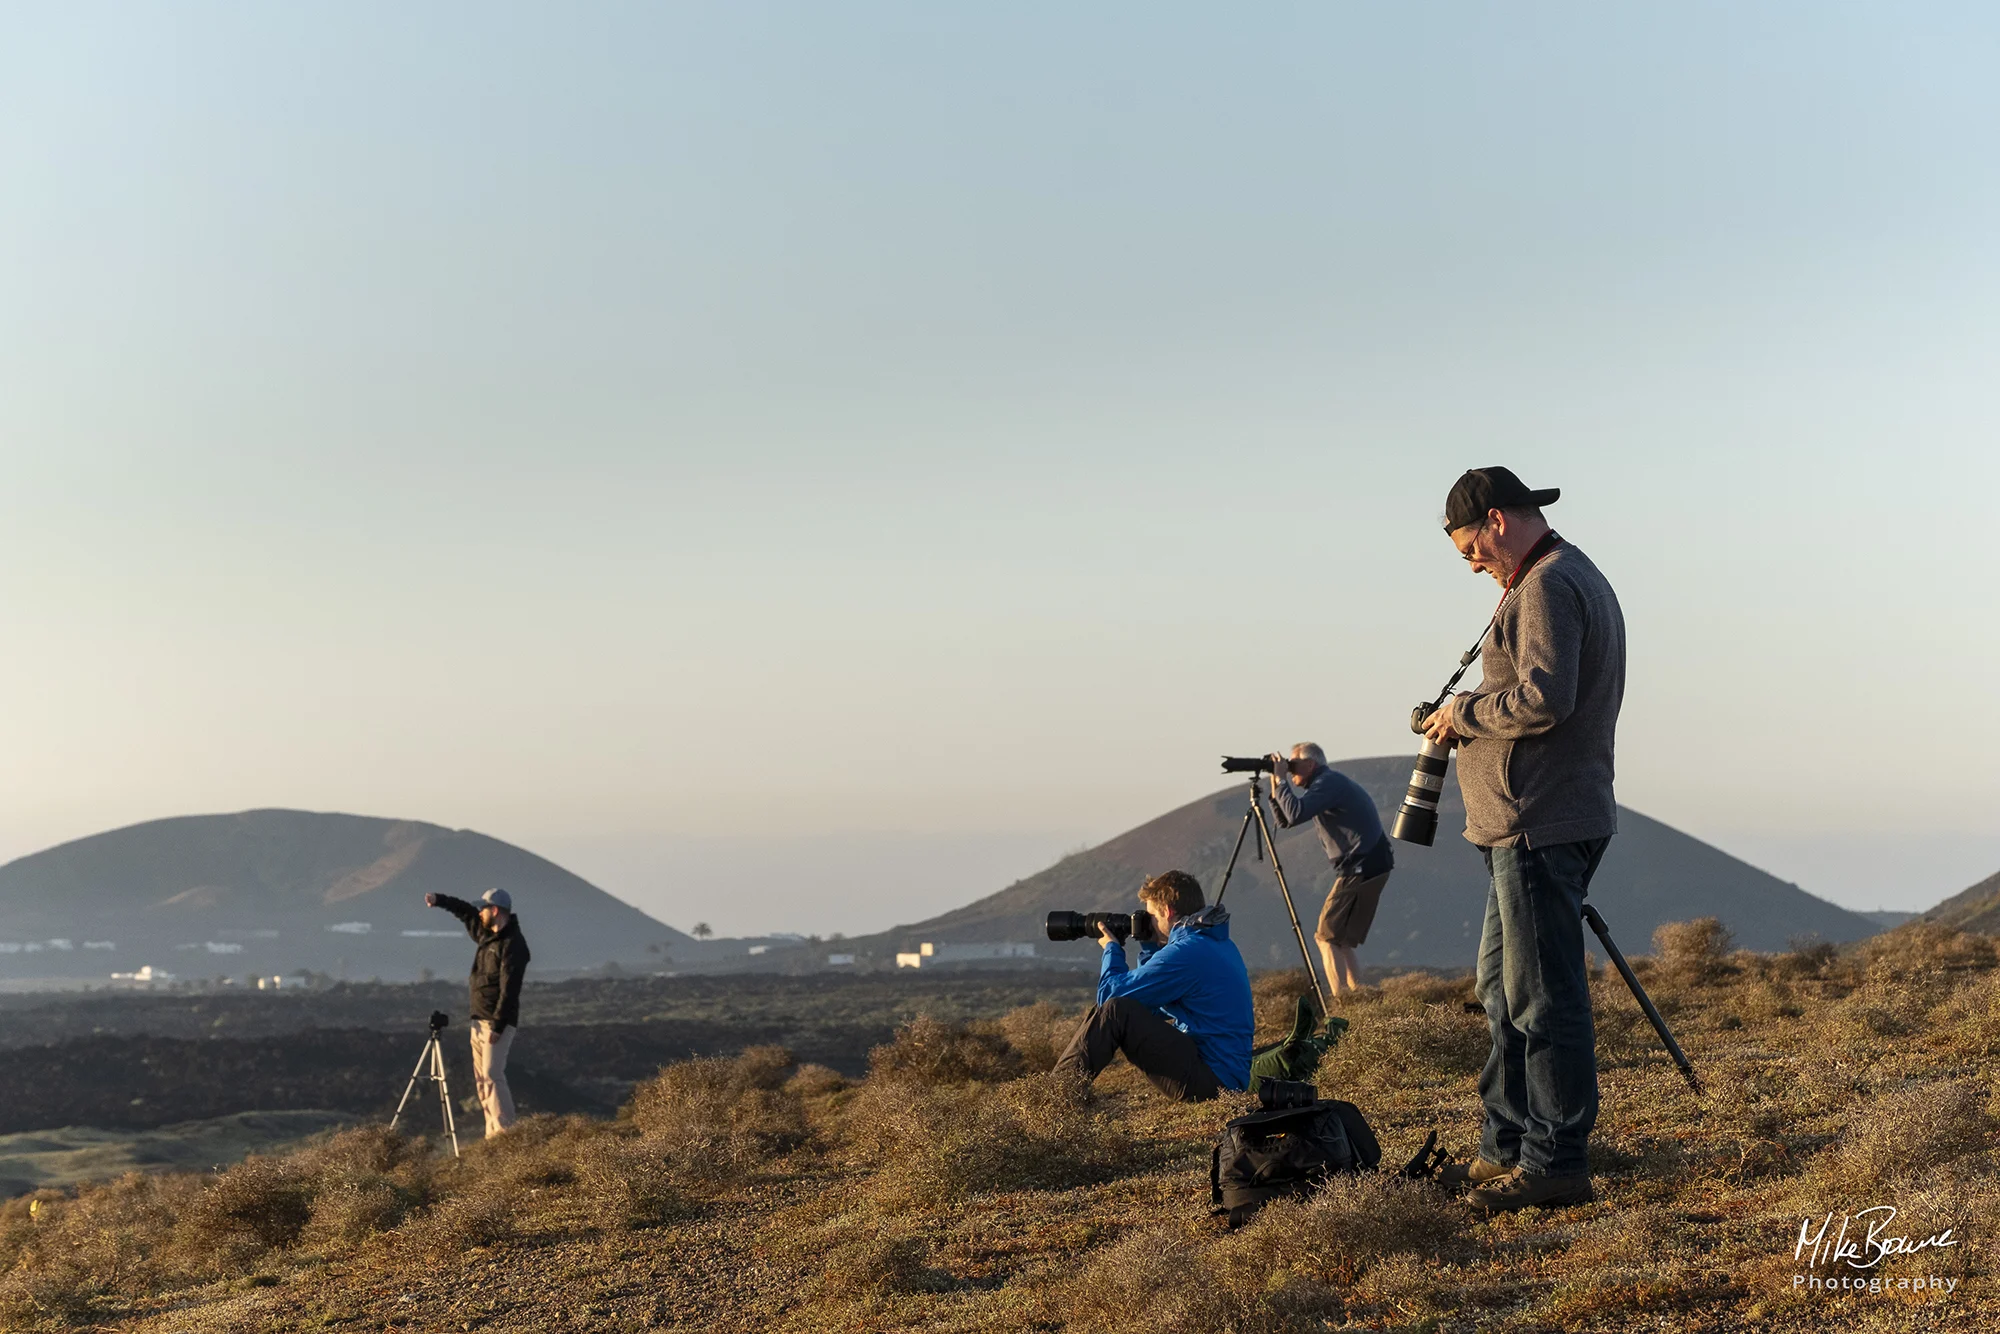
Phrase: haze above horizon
(749, 451)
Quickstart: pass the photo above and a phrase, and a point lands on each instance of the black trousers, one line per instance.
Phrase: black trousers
(1161, 1052)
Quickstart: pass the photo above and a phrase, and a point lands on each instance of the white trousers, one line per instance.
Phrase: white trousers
(489, 1075)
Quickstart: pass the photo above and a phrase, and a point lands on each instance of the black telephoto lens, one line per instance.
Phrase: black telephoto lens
(1065, 926)
(1078, 925)
(1247, 764)
(1417, 820)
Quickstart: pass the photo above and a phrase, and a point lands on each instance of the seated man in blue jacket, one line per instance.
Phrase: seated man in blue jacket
(1184, 1015)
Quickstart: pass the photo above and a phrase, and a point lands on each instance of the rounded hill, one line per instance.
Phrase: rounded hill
(1435, 903)
(273, 891)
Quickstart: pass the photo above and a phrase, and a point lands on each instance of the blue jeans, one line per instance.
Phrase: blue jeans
(1540, 1081)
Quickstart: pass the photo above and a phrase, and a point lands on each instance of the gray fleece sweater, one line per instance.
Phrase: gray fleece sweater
(1535, 767)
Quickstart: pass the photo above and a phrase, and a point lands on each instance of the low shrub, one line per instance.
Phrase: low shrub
(258, 1205)
(1039, 1034)
(1692, 953)
(630, 1182)
(722, 1113)
(811, 1081)
(936, 1051)
(66, 1259)
(1903, 1134)
(872, 1268)
(1919, 945)
(480, 1215)
(1807, 958)
(1891, 1001)
(935, 1145)
(1291, 1270)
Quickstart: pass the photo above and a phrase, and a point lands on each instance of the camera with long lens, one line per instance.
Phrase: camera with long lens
(1417, 818)
(1123, 925)
(1248, 764)
(439, 1021)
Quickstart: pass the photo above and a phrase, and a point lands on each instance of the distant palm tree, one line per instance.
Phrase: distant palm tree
(702, 931)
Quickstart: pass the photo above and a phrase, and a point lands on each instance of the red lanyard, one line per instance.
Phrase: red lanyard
(1549, 542)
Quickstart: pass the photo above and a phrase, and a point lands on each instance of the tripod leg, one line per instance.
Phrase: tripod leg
(1241, 830)
(1590, 915)
(1285, 892)
(415, 1075)
(444, 1093)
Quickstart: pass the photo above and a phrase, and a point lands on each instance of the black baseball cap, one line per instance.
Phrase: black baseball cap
(1484, 489)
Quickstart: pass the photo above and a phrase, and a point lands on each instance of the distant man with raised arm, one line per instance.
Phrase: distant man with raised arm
(497, 970)
(1350, 829)
(1535, 767)
(1184, 1016)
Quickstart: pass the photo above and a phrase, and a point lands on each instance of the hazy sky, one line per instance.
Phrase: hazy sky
(805, 466)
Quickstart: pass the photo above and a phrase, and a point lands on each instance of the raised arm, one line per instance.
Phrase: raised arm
(459, 908)
(1161, 978)
(1295, 805)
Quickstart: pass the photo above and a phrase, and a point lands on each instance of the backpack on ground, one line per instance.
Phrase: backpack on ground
(1293, 1143)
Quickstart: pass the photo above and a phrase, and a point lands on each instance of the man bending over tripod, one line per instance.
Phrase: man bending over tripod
(1184, 1016)
(497, 970)
(1350, 829)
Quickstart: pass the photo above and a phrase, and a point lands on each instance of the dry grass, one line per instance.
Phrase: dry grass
(719, 1114)
(1293, 1269)
(959, 1189)
(948, 1143)
(1040, 1033)
(931, 1052)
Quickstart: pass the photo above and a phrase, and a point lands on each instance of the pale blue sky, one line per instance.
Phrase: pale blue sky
(653, 432)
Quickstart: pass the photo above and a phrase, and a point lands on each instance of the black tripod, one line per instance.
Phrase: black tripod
(433, 1057)
(1639, 994)
(1264, 840)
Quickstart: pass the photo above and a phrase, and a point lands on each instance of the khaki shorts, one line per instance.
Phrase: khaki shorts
(1350, 910)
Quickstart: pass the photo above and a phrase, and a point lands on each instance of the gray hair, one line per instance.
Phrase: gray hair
(1309, 750)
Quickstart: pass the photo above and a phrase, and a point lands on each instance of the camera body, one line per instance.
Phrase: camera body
(1419, 715)
(439, 1021)
(1248, 764)
(1123, 925)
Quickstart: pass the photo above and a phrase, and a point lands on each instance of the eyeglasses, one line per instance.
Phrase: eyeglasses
(1469, 556)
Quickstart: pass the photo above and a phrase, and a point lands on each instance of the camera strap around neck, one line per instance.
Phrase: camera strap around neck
(1548, 542)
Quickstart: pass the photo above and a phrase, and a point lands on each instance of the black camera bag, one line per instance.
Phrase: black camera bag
(1287, 1150)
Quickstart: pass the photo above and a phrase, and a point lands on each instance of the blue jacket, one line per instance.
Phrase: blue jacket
(1350, 829)
(1197, 979)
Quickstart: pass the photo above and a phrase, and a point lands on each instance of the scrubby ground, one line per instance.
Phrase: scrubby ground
(957, 1187)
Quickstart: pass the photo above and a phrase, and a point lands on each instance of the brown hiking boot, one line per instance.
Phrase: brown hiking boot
(1522, 1189)
(1475, 1173)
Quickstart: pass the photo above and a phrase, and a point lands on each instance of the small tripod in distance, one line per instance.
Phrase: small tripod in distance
(1264, 840)
(433, 1057)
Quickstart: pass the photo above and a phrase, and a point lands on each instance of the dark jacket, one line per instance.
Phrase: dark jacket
(498, 967)
(1198, 981)
(1535, 767)
(1350, 828)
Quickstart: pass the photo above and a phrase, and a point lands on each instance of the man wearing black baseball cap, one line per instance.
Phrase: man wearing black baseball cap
(1535, 768)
